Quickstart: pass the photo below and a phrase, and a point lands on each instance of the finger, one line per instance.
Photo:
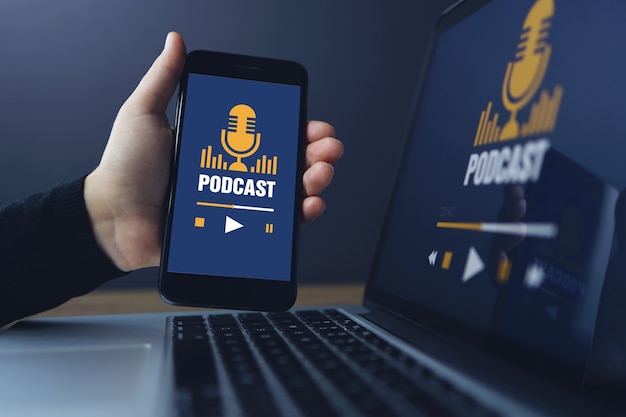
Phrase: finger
(156, 88)
(327, 149)
(317, 178)
(316, 130)
(312, 208)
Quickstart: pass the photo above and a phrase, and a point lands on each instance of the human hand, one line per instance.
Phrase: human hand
(126, 193)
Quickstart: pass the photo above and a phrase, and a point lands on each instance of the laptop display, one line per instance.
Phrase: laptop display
(506, 218)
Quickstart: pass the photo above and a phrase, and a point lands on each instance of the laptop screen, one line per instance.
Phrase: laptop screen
(505, 223)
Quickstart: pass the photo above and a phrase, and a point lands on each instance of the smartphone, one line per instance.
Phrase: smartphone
(231, 229)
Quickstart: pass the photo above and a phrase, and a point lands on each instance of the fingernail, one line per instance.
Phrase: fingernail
(168, 39)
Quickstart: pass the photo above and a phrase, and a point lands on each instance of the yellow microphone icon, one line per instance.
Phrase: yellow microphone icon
(241, 139)
(525, 74)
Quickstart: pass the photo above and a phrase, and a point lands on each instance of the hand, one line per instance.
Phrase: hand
(126, 193)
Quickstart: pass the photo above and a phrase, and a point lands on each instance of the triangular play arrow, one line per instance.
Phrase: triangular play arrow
(473, 265)
(231, 225)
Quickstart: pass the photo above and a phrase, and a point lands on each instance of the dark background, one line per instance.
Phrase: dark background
(68, 65)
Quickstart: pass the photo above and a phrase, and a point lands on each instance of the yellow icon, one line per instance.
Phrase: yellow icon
(241, 140)
(447, 260)
(263, 165)
(199, 222)
(522, 80)
(504, 270)
(269, 228)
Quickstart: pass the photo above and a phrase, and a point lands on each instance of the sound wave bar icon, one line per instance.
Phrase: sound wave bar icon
(542, 119)
(214, 162)
(488, 130)
(263, 165)
(543, 113)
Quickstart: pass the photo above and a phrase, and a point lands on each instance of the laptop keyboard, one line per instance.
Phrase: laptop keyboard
(311, 353)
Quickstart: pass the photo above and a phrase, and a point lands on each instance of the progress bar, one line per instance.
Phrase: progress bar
(545, 230)
(235, 206)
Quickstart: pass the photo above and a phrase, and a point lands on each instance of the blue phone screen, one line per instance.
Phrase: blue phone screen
(233, 210)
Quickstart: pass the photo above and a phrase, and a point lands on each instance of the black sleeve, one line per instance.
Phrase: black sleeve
(48, 252)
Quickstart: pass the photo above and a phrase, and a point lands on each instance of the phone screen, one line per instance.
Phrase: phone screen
(233, 208)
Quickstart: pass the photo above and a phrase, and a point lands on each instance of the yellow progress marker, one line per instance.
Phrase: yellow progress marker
(447, 259)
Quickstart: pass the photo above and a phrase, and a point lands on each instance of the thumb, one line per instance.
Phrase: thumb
(157, 86)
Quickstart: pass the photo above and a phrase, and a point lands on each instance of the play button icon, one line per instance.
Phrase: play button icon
(473, 265)
(231, 225)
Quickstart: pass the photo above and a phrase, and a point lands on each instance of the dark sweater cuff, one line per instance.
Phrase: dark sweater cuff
(48, 252)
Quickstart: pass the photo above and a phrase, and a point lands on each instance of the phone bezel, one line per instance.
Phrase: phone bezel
(221, 291)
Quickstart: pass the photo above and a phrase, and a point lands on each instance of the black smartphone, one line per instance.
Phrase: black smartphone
(231, 230)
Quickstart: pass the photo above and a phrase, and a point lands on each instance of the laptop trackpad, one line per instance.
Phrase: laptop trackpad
(103, 380)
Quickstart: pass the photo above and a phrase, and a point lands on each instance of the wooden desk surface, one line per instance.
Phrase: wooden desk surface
(148, 300)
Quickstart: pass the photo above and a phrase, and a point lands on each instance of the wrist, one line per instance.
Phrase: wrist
(127, 231)
(102, 221)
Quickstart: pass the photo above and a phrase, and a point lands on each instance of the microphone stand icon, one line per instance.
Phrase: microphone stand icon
(524, 76)
(241, 141)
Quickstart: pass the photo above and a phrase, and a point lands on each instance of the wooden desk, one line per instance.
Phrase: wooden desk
(148, 300)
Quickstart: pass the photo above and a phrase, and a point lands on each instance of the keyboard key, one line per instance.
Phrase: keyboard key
(222, 320)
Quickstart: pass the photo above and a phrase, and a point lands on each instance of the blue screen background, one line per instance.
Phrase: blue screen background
(248, 252)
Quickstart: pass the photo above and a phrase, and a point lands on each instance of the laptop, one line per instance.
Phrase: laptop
(496, 286)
